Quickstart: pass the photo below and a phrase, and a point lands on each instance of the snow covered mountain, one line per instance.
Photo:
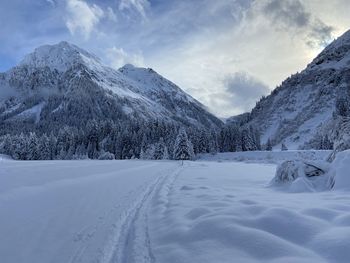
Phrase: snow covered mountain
(302, 107)
(66, 84)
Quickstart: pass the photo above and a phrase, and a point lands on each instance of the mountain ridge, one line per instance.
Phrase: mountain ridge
(299, 109)
(67, 70)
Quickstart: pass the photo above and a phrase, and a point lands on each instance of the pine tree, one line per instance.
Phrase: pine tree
(53, 146)
(44, 148)
(268, 145)
(33, 153)
(203, 141)
(160, 150)
(284, 147)
(183, 149)
(213, 143)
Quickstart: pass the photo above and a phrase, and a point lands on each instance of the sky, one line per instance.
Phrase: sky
(225, 53)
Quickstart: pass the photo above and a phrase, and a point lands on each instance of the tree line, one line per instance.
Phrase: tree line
(127, 140)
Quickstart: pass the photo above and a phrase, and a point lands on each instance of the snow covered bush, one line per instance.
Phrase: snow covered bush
(106, 156)
(288, 171)
(301, 176)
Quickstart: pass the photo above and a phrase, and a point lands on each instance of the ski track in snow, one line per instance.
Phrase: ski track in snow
(78, 207)
(132, 241)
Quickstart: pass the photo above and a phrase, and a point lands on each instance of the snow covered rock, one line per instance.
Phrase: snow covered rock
(301, 176)
(5, 157)
(341, 169)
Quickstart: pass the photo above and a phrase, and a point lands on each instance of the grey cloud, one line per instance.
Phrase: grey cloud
(244, 90)
(288, 12)
(320, 34)
(292, 14)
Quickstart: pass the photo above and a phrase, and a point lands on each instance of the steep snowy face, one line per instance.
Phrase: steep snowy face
(302, 106)
(151, 83)
(336, 55)
(59, 57)
(67, 81)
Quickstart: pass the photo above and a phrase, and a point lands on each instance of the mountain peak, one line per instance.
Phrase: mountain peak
(59, 56)
(127, 67)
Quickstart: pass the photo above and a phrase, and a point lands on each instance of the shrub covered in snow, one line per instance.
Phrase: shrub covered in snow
(304, 176)
(106, 156)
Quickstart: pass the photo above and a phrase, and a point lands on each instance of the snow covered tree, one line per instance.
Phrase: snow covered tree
(203, 141)
(19, 147)
(106, 156)
(44, 148)
(53, 146)
(148, 154)
(183, 149)
(268, 145)
(33, 153)
(250, 139)
(213, 143)
(284, 147)
(160, 150)
(80, 153)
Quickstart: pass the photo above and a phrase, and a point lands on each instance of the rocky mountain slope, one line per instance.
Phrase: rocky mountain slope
(302, 107)
(64, 84)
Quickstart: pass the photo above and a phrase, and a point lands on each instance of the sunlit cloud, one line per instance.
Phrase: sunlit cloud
(82, 18)
(199, 45)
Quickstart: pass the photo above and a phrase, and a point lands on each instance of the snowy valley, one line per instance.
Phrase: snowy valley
(211, 210)
(122, 166)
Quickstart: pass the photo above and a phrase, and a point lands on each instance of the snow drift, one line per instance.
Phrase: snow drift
(303, 175)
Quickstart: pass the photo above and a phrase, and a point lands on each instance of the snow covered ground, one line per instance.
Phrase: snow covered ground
(149, 211)
(266, 156)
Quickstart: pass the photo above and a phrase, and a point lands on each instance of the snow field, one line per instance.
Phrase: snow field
(160, 211)
(275, 157)
(225, 213)
(69, 211)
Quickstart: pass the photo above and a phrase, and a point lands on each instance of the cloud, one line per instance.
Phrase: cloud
(244, 90)
(51, 2)
(292, 15)
(111, 14)
(118, 57)
(82, 18)
(287, 13)
(320, 34)
(196, 44)
(138, 6)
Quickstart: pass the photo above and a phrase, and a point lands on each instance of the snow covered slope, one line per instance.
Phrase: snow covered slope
(304, 103)
(63, 80)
